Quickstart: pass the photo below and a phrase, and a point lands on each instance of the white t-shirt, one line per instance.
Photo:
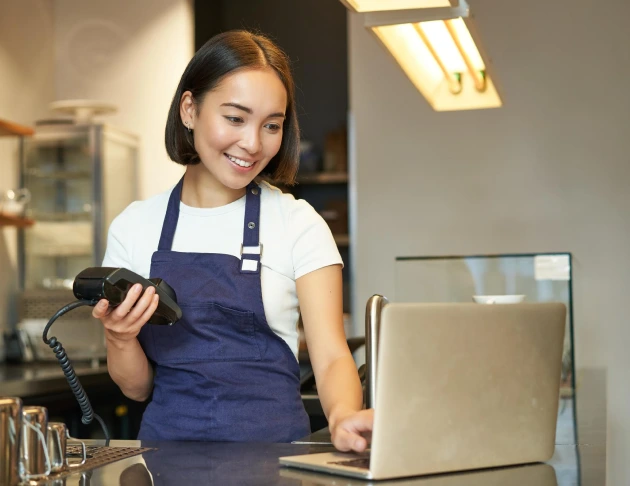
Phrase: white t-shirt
(295, 238)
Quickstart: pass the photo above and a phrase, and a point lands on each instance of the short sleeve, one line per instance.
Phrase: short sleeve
(313, 244)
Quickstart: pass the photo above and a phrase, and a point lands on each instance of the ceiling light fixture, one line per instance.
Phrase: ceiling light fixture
(436, 45)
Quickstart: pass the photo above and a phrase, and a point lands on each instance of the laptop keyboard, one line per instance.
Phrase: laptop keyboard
(362, 463)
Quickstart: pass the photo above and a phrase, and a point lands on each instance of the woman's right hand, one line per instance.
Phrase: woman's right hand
(123, 323)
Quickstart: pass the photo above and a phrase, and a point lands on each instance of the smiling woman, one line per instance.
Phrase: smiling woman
(228, 370)
(236, 129)
(227, 55)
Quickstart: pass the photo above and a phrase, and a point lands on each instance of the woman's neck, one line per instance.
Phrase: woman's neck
(202, 190)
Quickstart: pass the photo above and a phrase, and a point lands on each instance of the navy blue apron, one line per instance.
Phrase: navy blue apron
(221, 373)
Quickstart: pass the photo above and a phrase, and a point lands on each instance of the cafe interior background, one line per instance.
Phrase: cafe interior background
(547, 171)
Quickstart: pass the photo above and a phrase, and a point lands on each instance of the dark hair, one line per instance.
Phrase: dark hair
(220, 56)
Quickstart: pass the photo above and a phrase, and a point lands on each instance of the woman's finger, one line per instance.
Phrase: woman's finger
(141, 306)
(101, 309)
(125, 306)
(144, 318)
(352, 432)
(346, 440)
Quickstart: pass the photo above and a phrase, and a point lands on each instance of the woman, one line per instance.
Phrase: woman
(243, 259)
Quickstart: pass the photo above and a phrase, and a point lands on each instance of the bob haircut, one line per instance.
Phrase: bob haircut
(224, 54)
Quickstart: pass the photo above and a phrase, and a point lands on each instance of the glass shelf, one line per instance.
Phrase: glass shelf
(342, 240)
(63, 251)
(323, 178)
(59, 175)
(61, 217)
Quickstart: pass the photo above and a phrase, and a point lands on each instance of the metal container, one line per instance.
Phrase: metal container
(10, 438)
(34, 448)
(57, 440)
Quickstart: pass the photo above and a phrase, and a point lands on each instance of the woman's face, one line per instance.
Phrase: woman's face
(238, 127)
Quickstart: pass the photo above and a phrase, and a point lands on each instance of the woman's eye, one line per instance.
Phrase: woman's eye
(234, 119)
(274, 127)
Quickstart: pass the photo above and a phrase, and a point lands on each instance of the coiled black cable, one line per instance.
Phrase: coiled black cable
(68, 370)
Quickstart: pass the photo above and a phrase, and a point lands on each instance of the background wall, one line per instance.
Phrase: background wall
(547, 172)
(26, 70)
(131, 54)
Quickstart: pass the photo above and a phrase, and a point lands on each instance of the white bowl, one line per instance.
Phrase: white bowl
(498, 299)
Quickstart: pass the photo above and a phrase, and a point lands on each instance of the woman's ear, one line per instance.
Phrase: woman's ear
(187, 110)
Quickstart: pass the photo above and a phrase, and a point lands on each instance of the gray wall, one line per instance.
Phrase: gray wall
(547, 172)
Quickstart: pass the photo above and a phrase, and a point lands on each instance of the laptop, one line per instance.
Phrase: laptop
(537, 474)
(458, 387)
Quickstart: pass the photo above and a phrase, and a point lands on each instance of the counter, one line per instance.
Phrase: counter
(579, 459)
(43, 383)
(176, 464)
(37, 379)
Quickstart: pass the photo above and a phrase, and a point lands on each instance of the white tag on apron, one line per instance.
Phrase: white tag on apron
(249, 265)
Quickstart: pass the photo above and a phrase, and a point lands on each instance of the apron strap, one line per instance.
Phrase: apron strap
(251, 249)
(171, 217)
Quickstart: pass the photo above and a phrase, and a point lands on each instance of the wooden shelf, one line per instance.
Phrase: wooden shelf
(11, 220)
(342, 240)
(323, 178)
(8, 129)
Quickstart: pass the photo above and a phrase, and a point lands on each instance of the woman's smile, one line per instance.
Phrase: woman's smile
(241, 163)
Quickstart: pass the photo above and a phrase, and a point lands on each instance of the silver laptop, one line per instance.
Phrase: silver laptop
(459, 387)
(526, 475)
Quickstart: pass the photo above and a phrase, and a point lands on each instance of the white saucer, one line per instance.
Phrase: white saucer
(83, 110)
(498, 299)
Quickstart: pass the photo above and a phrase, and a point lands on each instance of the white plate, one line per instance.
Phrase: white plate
(498, 299)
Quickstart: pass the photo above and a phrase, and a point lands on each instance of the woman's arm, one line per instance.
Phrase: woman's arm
(338, 385)
(127, 364)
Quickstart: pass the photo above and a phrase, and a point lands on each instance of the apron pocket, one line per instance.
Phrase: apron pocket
(207, 332)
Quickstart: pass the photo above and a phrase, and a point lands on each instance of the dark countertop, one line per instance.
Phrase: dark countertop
(175, 464)
(575, 462)
(38, 381)
(42, 378)
(45, 377)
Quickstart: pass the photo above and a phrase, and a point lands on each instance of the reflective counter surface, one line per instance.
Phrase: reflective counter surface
(579, 459)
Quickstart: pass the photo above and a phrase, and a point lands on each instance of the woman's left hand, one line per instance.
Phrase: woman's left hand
(353, 431)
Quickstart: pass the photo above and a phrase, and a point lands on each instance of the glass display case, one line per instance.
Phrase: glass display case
(80, 177)
(540, 277)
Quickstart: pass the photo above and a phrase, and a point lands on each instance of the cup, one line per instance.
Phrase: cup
(57, 441)
(14, 201)
(498, 299)
(10, 434)
(35, 463)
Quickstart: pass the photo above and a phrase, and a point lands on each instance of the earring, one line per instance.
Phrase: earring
(187, 126)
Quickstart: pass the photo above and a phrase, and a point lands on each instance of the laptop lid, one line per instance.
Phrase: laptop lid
(465, 386)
